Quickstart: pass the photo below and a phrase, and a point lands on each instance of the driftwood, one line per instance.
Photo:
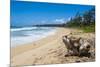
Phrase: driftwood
(76, 46)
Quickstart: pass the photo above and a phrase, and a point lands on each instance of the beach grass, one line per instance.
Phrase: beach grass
(88, 28)
(85, 29)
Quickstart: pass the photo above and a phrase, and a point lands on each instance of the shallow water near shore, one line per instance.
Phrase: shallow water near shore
(20, 36)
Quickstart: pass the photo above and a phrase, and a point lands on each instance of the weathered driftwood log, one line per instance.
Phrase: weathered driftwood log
(76, 46)
(72, 45)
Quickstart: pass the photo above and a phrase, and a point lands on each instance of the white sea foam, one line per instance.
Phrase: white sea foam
(22, 36)
(23, 28)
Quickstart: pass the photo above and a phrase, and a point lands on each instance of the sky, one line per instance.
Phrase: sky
(31, 13)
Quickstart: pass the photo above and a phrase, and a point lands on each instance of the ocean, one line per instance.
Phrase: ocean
(24, 35)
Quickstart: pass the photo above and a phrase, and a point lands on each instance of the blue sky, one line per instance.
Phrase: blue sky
(30, 13)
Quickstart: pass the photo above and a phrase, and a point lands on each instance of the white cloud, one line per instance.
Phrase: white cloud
(69, 19)
(43, 21)
(61, 20)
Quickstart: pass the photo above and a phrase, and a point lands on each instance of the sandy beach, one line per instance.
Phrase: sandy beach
(49, 50)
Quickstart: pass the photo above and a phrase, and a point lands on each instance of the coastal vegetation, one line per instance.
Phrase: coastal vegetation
(84, 21)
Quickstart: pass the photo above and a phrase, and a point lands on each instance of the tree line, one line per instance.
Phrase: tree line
(86, 19)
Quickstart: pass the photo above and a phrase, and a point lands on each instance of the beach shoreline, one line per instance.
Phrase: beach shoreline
(34, 44)
(25, 35)
(48, 50)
